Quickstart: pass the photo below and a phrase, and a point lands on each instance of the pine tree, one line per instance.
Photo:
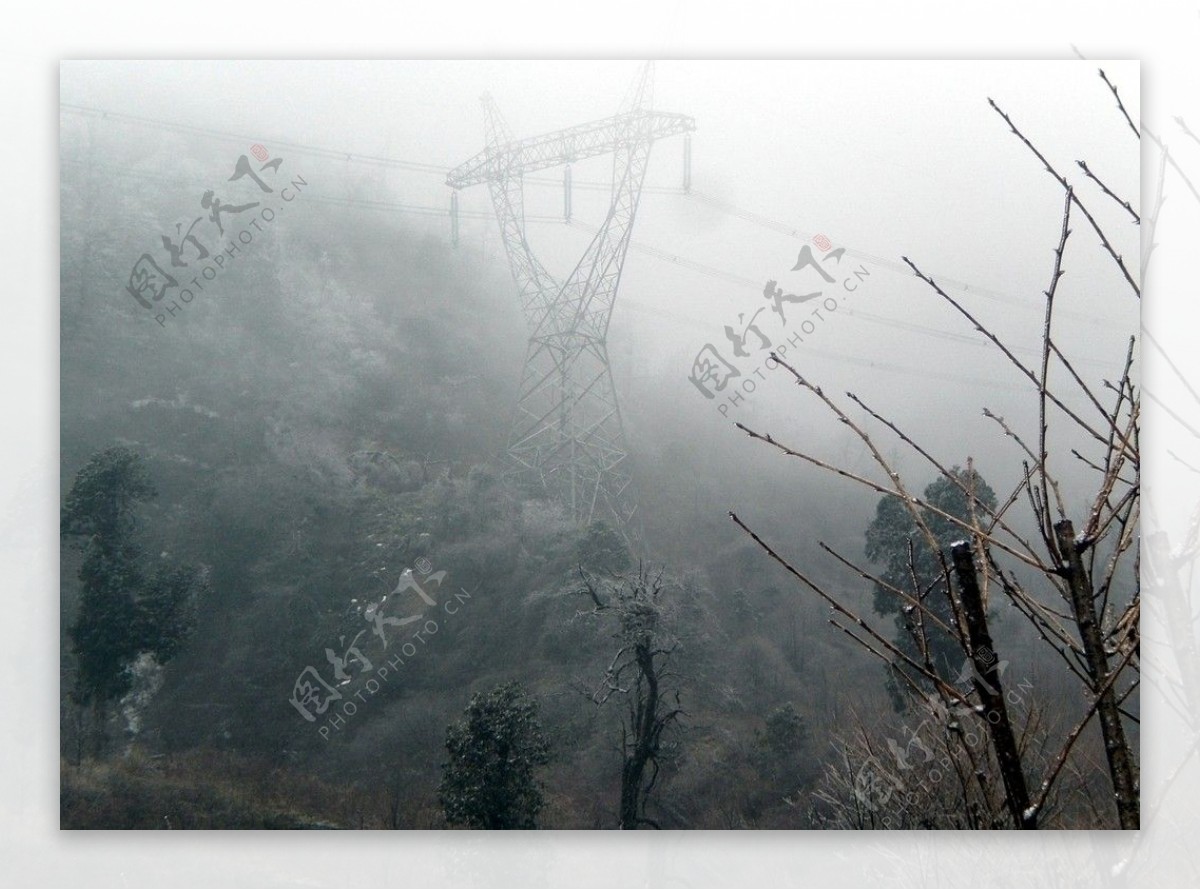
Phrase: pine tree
(489, 781)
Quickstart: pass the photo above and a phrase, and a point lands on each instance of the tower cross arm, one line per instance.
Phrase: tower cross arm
(566, 146)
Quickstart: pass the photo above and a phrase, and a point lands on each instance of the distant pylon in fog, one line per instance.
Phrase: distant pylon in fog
(567, 434)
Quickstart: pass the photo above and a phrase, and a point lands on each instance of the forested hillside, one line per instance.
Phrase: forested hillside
(328, 415)
(303, 587)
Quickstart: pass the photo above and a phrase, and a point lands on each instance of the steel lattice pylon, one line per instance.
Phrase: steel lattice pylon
(567, 434)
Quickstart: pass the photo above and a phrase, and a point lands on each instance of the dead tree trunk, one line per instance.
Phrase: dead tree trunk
(643, 749)
(991, 693)
(638, 672)
(1116, 746)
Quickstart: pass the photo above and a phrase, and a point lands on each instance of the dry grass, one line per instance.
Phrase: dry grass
(206, 790)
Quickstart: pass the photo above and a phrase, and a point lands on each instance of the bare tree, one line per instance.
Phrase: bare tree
(640, 673)
(1074, 580)
(918, 776)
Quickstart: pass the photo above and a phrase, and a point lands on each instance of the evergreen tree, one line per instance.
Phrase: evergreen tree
(122, 613)
(489, 781)
(889, 537)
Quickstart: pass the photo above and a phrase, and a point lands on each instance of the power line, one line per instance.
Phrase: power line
(320, 199)
(604, 186)
(420, 208)
(655, 253)
(949, 336)
(645, 249)
(703, 198)
(891, 265)
(710, 271)
(839, 357)
(316, 151)
(328, 153)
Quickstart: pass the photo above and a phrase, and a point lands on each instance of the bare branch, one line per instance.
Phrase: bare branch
(1000, 345)
(1096, 179)
(1066, 185)
(1120, 104)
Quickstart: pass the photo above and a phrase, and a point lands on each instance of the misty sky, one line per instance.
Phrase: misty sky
(883, 158)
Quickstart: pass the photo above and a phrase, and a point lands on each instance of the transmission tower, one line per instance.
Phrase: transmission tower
(567, 435)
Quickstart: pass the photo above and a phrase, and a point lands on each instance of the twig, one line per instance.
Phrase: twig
(1063, 182)
(1000, 345)
(1046, 530)
(1096, 179)
(1120, 104)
